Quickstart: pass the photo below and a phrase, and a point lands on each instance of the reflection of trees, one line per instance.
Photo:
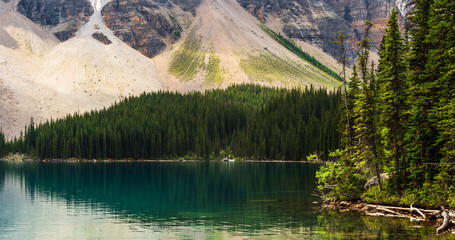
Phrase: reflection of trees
(2, 175)
(268, 192)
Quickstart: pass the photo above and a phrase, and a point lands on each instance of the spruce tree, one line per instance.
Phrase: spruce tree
(341, 41)
(420, 133)
(364, 112)
(392, 95)
(440, 73)
(364, 54)
(351, 97)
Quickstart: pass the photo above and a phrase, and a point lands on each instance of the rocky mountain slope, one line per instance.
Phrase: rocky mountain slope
(63, 18)
(58, 57)
(44, 78)
(319, 21)
(225, 45)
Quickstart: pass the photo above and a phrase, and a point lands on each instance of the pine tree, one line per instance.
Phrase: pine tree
(392, 95)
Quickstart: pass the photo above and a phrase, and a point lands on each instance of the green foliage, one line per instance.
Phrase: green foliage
(291, 46)
(344, 183)
(246, 121)
(432, 194)
(414, 111)
(313, 158)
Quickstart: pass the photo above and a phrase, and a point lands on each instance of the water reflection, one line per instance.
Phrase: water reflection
(190, 200)
(235, 197)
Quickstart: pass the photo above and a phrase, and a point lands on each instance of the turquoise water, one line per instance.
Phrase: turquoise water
(177, 200)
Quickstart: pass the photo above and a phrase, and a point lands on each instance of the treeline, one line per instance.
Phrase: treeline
(297, 50)
(244, 121)
(399, 119)
(3, 148)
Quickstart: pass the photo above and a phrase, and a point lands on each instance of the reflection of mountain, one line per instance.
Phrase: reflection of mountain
(193, 191)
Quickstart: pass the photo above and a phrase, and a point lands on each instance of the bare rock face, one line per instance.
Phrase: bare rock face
(319, 21)
(142, 25)
(187, 5)
(101, 37)
(138, 24)
(63, 17)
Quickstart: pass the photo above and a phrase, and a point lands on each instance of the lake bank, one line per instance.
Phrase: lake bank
(24, 158)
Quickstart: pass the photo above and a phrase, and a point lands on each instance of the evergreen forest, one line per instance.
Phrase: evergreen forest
(243, 121)
(398, 120)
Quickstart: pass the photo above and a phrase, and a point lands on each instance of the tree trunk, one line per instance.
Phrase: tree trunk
(445, 223)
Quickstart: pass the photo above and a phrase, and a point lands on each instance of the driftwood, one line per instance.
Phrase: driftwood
(394, 212)
(378, 214)
(403, 208)
(418, 211)
(414, 214)
(445, 223)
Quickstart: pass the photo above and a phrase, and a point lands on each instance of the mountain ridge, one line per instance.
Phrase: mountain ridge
(319, 21)
(47, 77)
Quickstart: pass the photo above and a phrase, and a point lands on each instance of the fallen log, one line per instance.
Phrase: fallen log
(374, 214)
(413, 219)
(434, 213)
(403, 208)
(391, 211)
(445, 223)
(418, 211)
(414, 214)
(378, 214)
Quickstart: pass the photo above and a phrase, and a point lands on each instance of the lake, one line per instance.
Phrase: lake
(178, 200)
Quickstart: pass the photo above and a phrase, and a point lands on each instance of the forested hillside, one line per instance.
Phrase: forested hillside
(244, 121)
(399, 119)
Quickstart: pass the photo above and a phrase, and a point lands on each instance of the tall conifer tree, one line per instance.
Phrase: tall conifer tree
(440, 73)
(392, 93)
(364, 111)
(420, 133)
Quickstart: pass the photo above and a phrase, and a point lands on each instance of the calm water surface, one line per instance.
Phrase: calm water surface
(177, 200)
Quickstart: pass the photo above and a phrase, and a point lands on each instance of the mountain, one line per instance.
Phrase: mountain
(319, 21)
(61, 56)
(44, 78)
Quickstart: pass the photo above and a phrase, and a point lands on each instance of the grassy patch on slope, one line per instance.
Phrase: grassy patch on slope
(214, 73)
(187, 60)
(291, 46)
(268, 67)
